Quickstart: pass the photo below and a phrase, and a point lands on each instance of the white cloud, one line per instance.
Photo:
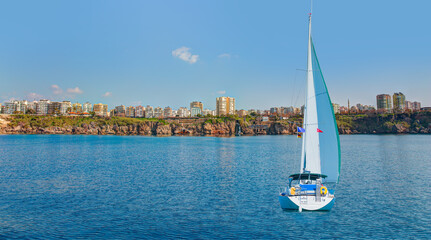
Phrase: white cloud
(74, 90)
(224, 55)
(221, 92)
(107, 94)
(33, 96)
(56, 89)
(184, 54)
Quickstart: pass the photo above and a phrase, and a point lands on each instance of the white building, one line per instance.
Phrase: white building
(139, 112)
(209, 112)
(183, 112)
(195, 111)
(42, 107)
(130, 111)
(32, 106)
(149, 112)
(87, 107)
(336, 108)
(9, 107)
(167, 112)
(158, 112)
(65, 107)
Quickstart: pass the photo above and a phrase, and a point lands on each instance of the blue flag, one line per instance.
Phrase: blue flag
(300, 129)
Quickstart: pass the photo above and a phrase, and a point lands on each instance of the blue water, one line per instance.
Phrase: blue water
(112, 187)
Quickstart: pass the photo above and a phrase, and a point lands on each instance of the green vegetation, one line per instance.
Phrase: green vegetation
(63, 121)
(384, 123)
(361, 123)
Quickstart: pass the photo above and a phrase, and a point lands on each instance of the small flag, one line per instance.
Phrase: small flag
(319, 131)
(299, 135)
(300, 129)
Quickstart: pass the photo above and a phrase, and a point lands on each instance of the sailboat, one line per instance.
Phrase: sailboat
(313, 188)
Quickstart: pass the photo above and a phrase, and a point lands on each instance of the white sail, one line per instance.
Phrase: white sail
(320, 160)
(311, 150)
(321, 151)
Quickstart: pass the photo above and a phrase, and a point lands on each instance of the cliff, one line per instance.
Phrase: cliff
(26, 124)
(403, 123)
(216, 126)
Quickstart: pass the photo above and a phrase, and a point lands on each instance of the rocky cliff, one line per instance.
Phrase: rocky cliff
(355, 124)
(53, 125)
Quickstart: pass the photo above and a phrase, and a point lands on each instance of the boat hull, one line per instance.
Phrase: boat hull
(307, 203)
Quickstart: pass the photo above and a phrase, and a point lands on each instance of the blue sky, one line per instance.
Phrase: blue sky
(169, 53)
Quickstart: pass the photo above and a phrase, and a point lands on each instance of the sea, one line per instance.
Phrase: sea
(134, 187)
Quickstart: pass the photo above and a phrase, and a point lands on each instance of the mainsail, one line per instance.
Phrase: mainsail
(320, 146)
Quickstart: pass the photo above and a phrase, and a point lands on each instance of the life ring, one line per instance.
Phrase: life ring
(292, 191)
(323, 190)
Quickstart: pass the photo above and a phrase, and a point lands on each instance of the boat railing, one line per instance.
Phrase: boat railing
(283, 191)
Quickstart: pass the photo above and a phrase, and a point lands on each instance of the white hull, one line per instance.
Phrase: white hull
(308, 203)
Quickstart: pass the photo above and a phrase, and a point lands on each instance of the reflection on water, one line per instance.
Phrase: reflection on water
(111, 187)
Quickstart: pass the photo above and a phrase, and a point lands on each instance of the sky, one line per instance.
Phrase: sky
(169, 53)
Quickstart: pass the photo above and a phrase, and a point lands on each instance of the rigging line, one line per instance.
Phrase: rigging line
(293, 89)
(299, 93)
(316, 95)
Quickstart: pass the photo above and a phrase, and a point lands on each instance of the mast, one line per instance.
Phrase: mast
(309, 71)
(310, 159)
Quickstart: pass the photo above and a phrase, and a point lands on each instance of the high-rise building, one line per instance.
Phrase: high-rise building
(197, 104)
(120, 111)
(32, 107)
(408, 105)
(42, 107)
(167, 112)
(183, 112)
(87, 107)
(139, 112)
(384, 102)
(336, 108)
(100, 109)
(275, 111)
(54, 108)
(158, 112)
(399, 101)
(22, 107)
(77, 108)
(149, 112)
(286, 110)
(195, 111)
(130, 111)
(9, 107)
(416, 106)
(225, 106)
(66, 107)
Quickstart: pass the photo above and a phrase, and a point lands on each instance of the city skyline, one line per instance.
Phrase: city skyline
(158, 54)
(396, 103)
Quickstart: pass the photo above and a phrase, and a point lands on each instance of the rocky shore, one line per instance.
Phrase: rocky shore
(359, 124)
(195, 127)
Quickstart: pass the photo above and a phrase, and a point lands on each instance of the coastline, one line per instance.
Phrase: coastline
(405, 123)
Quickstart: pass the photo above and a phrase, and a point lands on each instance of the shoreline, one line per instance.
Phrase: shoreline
(214, 136)
(229, 126)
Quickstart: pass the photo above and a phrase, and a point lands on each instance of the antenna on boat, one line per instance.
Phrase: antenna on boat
(311, 7)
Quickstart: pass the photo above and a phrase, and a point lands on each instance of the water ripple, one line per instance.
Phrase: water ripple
(111, 187)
